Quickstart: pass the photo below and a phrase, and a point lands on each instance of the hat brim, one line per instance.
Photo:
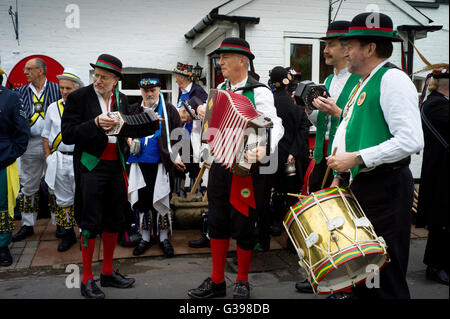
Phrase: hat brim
(380, 37)
(107, 69)
(251, 56)
(63, 77)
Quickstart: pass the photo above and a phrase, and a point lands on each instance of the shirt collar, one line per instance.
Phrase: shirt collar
(240, 84)
(374, 70)
(187, 89)
(153, 107)
(342, 73)
(33, 88)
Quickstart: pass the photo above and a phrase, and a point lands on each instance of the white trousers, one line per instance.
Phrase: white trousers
(32, 166)
(60, 178)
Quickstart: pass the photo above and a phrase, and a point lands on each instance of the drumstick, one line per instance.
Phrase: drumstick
(328, 170)
(296, 195)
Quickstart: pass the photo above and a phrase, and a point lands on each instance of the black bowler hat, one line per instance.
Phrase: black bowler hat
(372, 25)
(109, 63)
(336, 29)
(280, 77)
(235, 45)
(148, 81)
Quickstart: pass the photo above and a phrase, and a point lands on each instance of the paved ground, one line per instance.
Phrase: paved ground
(272, 276)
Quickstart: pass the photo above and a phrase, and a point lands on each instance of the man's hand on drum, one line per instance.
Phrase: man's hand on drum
(327, 105)
(336, 182)
(255, 154)
(105, 122)
(341, 162)
(201, 110)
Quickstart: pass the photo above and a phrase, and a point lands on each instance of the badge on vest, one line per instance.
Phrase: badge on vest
(361, 98)
(38, 107)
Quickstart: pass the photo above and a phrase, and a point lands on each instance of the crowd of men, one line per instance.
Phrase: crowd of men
(96, 181)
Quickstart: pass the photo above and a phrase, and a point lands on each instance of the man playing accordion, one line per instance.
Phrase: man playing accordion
(233, 201)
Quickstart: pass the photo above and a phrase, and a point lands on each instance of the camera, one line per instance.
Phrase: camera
(307, 91)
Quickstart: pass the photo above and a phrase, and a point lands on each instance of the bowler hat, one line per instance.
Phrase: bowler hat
(372, 25)
(109, 63)
(336, 29)
(235, 45)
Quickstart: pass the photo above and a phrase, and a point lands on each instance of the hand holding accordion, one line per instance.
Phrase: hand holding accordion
(231, 127)
(146, 119)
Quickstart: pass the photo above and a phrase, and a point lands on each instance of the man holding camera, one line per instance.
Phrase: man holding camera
(326, 117)
(379, 130)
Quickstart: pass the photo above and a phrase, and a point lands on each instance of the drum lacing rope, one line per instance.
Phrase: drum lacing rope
(304, 234)
(330, 259)
(350, 209)
(369, 229)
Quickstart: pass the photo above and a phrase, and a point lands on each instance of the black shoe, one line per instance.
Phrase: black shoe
(90, 290)
(208, 289)
(342, 295)
(264, 242)
(241, 290)
(203, 242)
(304, 286)
(276, 229)
(24, 232)
(167, 248)
(116, 280)
(142, 247)
(438, 275)
(60, 232)
(68, 241)
(5, 257)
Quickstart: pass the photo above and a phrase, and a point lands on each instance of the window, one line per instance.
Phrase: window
(129, 84)
(306, 56)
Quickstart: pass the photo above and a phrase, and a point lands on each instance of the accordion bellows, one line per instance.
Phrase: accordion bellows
(232, 126)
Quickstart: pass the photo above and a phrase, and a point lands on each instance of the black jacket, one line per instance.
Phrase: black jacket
(196, 92)
(174, 122)
(78, 127)
(433, 192)
(295, 139)
(14, 127)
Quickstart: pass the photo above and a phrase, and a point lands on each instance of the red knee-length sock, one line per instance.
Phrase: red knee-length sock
(244, 258)
(109, 244)
(87, 253)
(219, 250)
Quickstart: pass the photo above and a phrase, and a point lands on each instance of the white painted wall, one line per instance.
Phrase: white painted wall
(150, 34)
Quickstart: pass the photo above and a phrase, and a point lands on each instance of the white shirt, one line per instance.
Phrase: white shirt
(336, 86)
(38, 126)
(33, 88)
(399, 103)
(187, 89)
(265, 105)
(105, 110)
(52, 127)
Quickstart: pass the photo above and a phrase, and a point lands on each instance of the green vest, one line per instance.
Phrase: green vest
(367, 126)
(322, 118)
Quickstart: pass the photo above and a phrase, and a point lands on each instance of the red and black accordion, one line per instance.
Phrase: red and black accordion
(231, 126)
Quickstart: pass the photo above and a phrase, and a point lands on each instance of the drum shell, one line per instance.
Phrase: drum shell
(344, 244)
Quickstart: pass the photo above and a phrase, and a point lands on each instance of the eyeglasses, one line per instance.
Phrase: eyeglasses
(102, 77)
(29, 69)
